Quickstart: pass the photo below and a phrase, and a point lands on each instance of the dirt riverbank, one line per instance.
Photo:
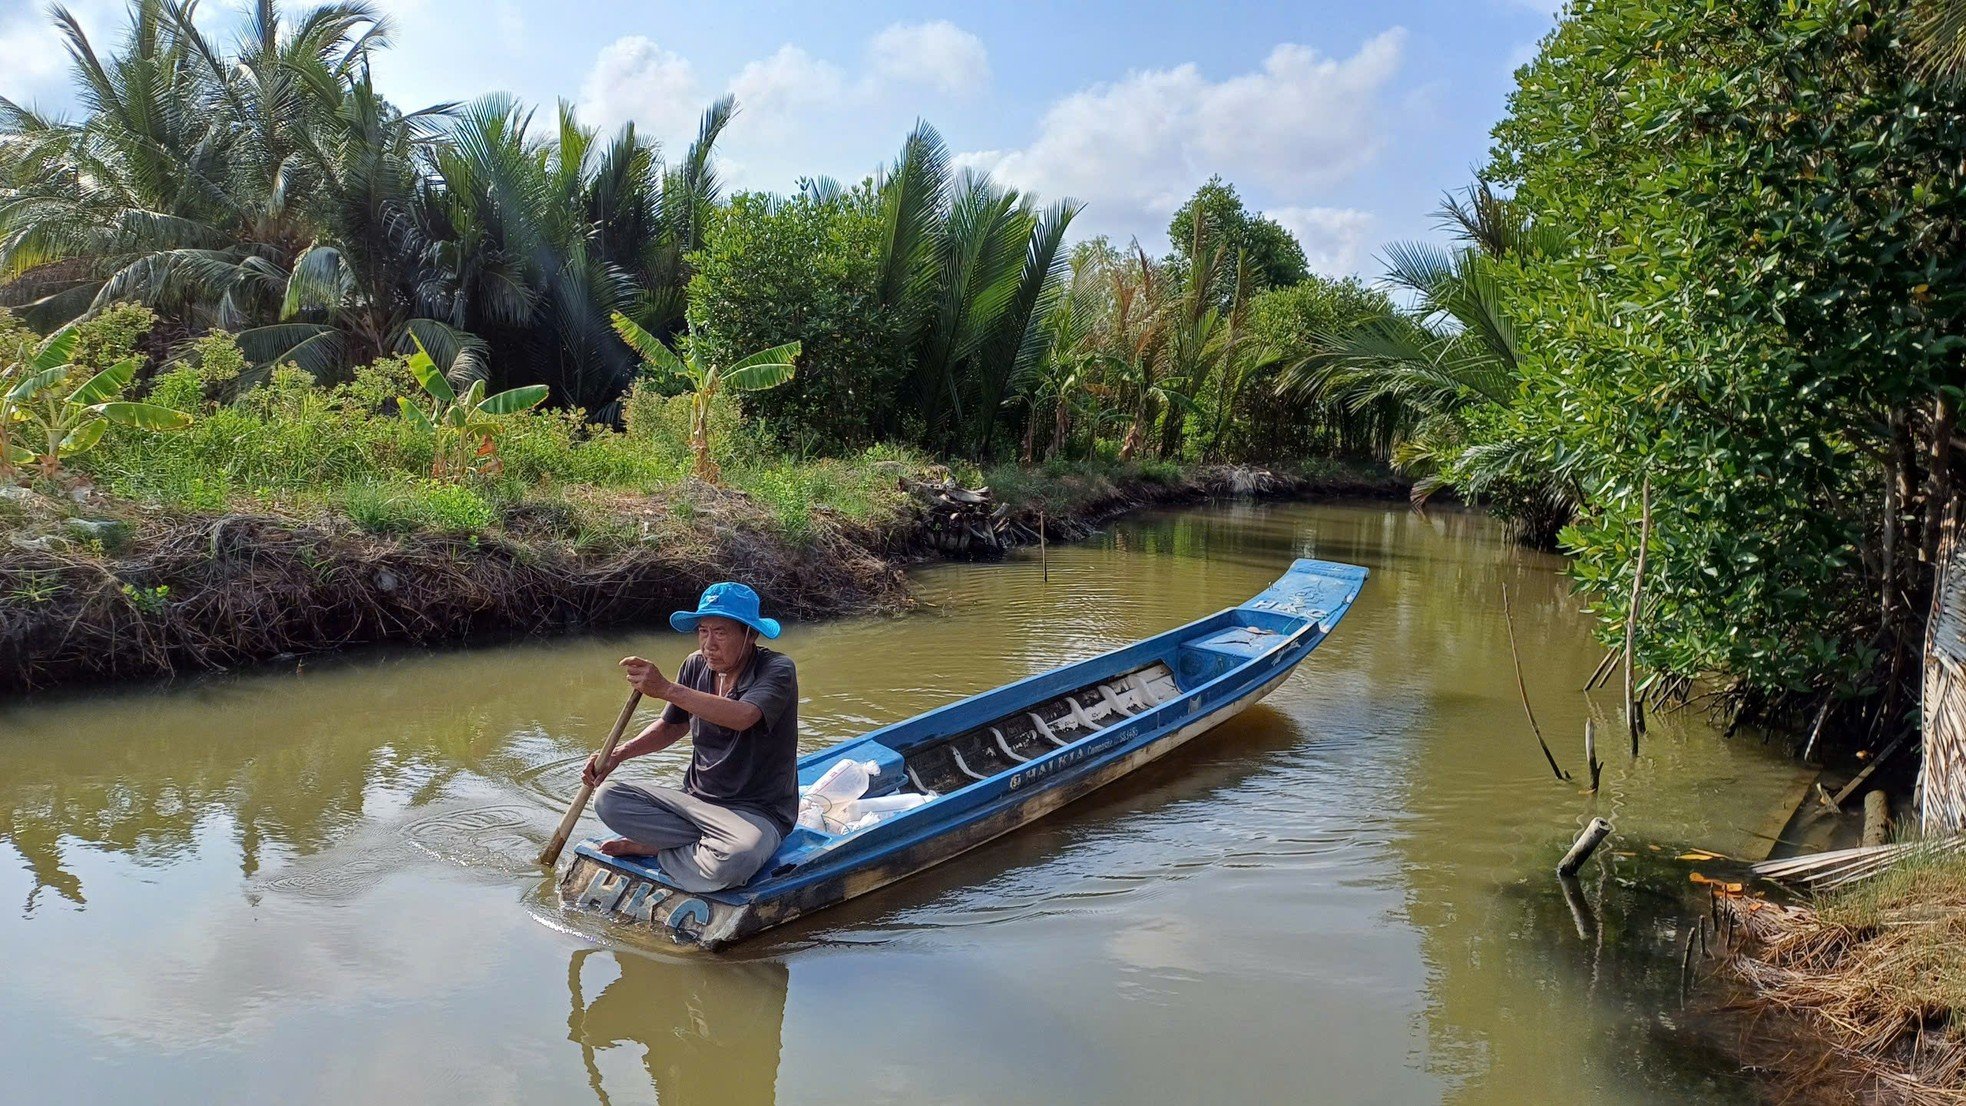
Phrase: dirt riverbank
(135, 595)
(1852, 995)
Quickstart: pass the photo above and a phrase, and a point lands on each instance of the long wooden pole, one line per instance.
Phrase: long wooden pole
(1523, 689)
(1635, 720)
(550, 855)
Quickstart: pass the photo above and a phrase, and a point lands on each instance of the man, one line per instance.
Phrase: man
(739, 704)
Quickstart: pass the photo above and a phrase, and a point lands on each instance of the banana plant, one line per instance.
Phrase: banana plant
(35, 407)
(463, 429)
(767, 368)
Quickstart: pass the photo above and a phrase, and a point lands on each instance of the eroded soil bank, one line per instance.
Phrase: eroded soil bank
(144, 595)
(1850, 996)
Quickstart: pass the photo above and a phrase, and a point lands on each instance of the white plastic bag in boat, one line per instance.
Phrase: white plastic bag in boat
(844, 782)
(890, 804)
(822, 806)
(835, 803)
(861, 813)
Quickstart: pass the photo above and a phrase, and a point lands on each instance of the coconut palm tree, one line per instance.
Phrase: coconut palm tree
(267, 187)
(185, 186)
(1452, 354)
(1938, 37)
(974, 268)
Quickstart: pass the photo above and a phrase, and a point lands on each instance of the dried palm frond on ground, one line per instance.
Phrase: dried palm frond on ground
(1829, 870)
(1860, 996)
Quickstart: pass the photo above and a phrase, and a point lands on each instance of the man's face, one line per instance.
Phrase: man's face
(723, 642)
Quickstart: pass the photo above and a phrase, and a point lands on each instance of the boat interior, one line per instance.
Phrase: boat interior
(916, 758)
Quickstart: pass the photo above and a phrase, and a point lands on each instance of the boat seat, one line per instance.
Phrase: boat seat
(1203, 659)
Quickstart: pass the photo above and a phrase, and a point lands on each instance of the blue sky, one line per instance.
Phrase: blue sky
(1345, 121)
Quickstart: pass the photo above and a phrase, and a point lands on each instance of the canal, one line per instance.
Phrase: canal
(315, 885)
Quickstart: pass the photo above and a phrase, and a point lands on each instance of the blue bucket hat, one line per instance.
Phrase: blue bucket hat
(726, 600)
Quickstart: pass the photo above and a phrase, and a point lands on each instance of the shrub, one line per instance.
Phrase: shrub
(109, 336)
(807, 270)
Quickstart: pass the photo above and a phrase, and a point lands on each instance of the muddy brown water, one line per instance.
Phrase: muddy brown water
(317, 887)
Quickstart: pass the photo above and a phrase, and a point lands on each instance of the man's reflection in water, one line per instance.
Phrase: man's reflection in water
(708, 1028)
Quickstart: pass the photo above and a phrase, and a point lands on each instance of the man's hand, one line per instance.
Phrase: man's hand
(646, 678)
(596, 770)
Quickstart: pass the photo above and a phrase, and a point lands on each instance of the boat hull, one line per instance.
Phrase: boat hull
(595, 883)
(994, 762)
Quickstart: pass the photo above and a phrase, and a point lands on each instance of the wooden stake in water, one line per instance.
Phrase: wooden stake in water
(1044, 554)
(1590, 752)
(1587, 843)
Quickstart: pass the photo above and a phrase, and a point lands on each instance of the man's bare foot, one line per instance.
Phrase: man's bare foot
(622, 846)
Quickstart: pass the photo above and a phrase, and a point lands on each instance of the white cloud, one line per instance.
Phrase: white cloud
(775, 92)
(797, 114)
(1333, 237)
(939, 54)
(633, 78)
(1134, 149)
(30, 55)
(33, 59)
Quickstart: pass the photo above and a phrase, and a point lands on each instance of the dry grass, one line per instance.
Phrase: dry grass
(1861, 996)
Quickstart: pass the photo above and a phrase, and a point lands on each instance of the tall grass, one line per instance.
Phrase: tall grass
(290, 444)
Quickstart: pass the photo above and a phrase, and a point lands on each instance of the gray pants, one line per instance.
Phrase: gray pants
(701, 846)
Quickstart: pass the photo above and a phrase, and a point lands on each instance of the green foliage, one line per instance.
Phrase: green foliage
(1424, 380)
(560, 447)
(1760, 314)
(149, 600)
(704, 381)
(265, 186)
(111, 335)
(970, 268)
(288, 440)
(1061, 487)
(1272, 254)
(863, 488)
(658, 426)
(409, 505)
(807, 268)
(45, 416)
(463, 429)
(208, 365)
(376, 387)
(1291, 323)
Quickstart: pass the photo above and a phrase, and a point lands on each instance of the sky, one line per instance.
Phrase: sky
(1343, 121)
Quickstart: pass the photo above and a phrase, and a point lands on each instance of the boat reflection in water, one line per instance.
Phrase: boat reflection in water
(708, 1030)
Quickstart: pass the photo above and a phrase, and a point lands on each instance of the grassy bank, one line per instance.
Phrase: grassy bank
(284, 517)
(98, 585)
(1859, 995)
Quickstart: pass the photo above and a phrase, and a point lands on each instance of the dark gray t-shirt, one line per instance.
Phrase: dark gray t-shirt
(756, 769)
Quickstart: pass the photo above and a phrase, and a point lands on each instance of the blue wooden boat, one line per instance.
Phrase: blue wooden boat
(994, 761)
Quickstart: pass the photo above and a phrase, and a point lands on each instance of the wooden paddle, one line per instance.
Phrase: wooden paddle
(551, 853)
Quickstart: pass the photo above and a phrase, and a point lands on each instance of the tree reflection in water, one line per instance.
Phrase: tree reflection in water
(709, 1029)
